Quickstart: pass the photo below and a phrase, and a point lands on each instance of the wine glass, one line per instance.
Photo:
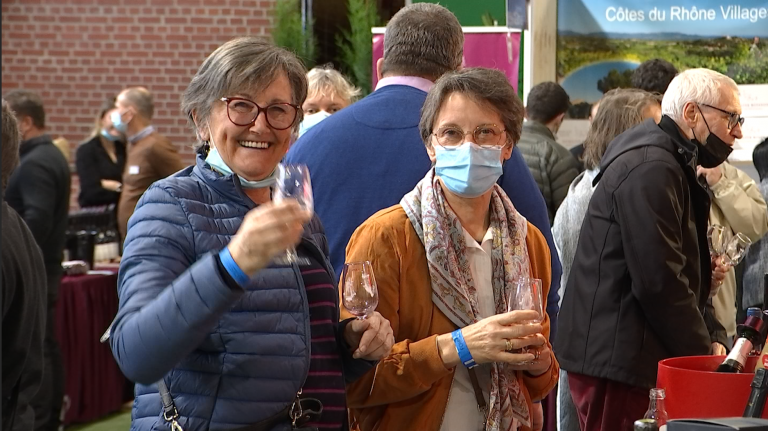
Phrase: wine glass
(716, 238)
(293, 183)
(360, 295)
(526, 295)
(736, 249)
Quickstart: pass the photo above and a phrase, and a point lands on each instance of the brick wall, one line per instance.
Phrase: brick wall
(77, 53)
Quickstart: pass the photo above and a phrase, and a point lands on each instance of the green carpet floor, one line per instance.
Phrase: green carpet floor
(116, 422)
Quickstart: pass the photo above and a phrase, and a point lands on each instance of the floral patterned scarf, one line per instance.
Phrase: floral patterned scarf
(453, 290)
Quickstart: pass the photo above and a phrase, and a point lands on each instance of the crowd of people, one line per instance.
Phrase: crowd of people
(442, 180)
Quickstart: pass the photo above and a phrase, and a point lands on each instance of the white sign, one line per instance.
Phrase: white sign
(754, 109)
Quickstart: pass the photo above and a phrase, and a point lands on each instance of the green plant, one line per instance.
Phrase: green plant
(356, 44)
(289, 33)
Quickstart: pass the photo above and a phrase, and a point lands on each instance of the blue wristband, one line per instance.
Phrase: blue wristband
(461, 347)
(232, 268)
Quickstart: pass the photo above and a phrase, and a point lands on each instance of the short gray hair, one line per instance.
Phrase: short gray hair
(236, 65)
(489, 87)
(10, 143)
(424, 40)
(141, 99)
(694, 85)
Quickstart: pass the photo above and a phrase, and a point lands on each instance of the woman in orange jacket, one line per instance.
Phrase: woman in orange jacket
(445, 260)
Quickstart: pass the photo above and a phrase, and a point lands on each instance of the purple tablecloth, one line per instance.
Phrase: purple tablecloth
(94, 383)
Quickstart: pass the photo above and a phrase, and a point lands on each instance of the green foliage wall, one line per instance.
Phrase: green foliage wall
(289, 34)
(470, 12)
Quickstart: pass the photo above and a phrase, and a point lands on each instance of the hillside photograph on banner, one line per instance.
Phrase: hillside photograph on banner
(601, 42)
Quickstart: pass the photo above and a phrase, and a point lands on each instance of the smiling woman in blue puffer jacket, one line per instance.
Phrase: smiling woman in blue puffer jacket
(217, 336)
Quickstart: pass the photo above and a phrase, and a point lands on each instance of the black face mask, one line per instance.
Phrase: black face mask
(714, 151)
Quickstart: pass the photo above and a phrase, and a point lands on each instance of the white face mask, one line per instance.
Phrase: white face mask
(311, 121)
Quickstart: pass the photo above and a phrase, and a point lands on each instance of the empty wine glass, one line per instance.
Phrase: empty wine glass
(293, 183)
(736, 249)
(717, 240)
(526, 295)
(360, 295)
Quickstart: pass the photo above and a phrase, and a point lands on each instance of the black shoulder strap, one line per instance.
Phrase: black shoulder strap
(170, 414)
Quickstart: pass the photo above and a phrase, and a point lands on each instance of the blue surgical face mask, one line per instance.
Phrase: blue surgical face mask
(105, 134)
(117, 121)
(468, 170)
(214, 159)
(311, 121)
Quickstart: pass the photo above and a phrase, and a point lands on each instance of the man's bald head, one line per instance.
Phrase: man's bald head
(138, 98)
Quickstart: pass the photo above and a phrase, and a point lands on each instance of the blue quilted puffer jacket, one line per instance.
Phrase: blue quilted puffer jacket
(230, 357)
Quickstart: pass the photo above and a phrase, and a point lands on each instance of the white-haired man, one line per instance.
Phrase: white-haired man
(641, 277)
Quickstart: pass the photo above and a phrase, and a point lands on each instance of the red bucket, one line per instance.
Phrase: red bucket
(694, 390)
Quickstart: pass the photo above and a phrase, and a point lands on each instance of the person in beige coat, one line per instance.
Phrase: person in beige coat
(738, 205)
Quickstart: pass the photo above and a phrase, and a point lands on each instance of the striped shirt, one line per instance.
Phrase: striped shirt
(325, 381)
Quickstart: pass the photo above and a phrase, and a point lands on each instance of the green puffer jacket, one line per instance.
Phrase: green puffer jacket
(552, 165)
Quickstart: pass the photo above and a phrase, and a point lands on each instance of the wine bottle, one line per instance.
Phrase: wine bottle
(646, 425)
(756, 312)
(748, 336)
(656, 409)
(756, 401)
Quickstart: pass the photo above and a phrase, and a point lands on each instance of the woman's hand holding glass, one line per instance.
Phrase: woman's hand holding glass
(267, 231)
(496, 339)
(370, 338)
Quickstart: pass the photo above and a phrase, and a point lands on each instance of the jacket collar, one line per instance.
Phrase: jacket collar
(30, 144)
(534, 127)
(687, 151)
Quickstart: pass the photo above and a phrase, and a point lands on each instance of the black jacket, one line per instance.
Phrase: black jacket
(93, 165)
(24, 309)
(641, 275)
(39, 191)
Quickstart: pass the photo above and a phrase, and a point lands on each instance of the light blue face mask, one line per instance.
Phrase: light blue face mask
(117, 121)
(105, 134)
(468, 170)
(214, 159)
(311, 121)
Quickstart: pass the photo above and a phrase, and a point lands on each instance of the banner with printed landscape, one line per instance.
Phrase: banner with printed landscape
(600, 43)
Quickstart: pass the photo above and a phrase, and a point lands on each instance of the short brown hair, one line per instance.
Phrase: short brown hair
(25, 103)
(546, 101)
(423, 39)
(10, 143)
(620, 110)
(488, 87)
